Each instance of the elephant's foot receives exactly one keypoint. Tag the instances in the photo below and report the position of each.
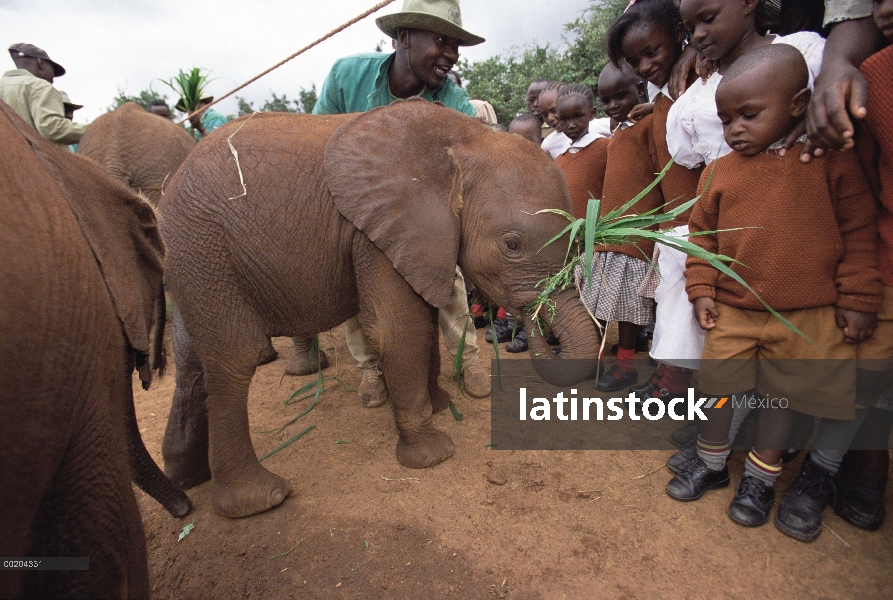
(253, 491)
(304, 364)
(268, 354)
(440, 399)
(428, 450)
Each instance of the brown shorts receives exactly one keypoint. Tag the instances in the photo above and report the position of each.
(751, 349)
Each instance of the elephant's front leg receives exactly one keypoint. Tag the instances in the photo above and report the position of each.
(402, 327)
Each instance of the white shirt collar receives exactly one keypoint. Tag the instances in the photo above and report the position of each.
(654, 91)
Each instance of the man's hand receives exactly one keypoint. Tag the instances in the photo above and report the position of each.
(857, 326)
(706, 312)
(196, 122)
(840, 90)
(640, 111)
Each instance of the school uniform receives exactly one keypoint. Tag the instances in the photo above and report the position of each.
(804, 234)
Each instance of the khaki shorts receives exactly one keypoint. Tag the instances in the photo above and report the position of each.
(751, 349)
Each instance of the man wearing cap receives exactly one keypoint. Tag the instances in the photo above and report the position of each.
(428, 34)
(29, 91)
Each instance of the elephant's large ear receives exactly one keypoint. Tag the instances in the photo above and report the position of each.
(119, 226)
(394, 173)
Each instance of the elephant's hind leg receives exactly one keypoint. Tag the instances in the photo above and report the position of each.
(185, 446)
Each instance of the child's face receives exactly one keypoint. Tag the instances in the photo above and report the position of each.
(651, 52)
(528, 130)
(757, 110)
(574, 114)
(533, 94)
(548, 109)
(716, 26)
(618, 94)
(883, 17)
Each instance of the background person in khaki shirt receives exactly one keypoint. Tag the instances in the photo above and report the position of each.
(29, 91)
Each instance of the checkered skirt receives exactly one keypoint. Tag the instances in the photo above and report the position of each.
(614, 296)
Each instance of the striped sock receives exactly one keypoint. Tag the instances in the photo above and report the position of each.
(714, 454)
(500, 313)
(755, 467)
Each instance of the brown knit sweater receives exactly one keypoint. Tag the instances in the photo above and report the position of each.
(810, 237)
(679, 184)
(585, 174)
(878, 70)
(631, 168)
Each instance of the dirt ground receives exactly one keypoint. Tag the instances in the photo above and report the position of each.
(486, 523)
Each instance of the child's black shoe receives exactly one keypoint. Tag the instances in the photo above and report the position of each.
(752, 503)
(800, 511)
(860, 505)
(519, 343)
(684, 460)
(686, 435)
(691, 485)
(616, 379)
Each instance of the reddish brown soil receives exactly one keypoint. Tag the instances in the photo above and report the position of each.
(509, 524)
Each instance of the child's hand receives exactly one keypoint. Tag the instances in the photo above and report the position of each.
(640, 111)
(857, 326)
(685, 64)
(706, 312)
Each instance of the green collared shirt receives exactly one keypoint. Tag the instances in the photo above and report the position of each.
(360, 83)
(40, 105)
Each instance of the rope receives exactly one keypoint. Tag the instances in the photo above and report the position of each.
(360, 17)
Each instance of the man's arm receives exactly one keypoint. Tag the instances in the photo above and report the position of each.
(48, 115)
(840, 90)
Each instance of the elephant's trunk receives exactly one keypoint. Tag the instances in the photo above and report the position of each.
(580, 342)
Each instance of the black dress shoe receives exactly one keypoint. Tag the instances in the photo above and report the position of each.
(691, 485)
(684, 460)
(860, 505)
(551, 339)
(799, 513)
(752, 503)
(616, 379)
(518, 344)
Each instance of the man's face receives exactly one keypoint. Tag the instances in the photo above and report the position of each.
(533, 94)
(161, 110)
(430, 55)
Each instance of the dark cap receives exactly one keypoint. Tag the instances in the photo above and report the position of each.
(67, 103)
(30, 51)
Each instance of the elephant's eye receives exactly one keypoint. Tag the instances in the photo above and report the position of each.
(512, 244)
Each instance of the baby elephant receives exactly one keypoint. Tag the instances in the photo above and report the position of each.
(321, 218)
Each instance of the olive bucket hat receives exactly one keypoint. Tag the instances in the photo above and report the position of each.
(439, 16)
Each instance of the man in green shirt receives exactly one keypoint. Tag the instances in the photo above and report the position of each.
(428, 34)
(29, 91)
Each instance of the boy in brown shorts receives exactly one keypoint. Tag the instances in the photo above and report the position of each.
(804, 236)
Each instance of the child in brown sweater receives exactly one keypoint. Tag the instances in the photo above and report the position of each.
(618, 272)
(806, 233)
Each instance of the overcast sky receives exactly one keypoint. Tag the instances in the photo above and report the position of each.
(109, 44)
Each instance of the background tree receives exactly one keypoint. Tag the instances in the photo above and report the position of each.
(502, 80)
(143, 98)
(304, 104)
